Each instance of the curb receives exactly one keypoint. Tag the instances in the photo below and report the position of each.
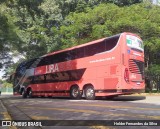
(147, 94)
(6, 116)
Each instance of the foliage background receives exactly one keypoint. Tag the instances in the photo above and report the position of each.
(32, 28)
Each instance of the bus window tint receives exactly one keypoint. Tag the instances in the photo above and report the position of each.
(111, 43)
(73, 54)
(80, 52)
(89, 50)
(95, 49)
(100, 47)
(39, 79)
(103, 46)
(42, 62)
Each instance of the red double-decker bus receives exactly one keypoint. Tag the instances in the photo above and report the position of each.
(105, 67)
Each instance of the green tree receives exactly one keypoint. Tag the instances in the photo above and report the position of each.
(6, 84)
(8, 37)
(35, 24)
(108, 19)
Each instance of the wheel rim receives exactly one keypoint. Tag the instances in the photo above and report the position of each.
(75, 92)
(30, 93)
(23, 93)
(90, 93)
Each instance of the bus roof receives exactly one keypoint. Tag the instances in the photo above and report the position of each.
(86, 44)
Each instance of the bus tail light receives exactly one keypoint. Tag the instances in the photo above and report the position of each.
(126, 75)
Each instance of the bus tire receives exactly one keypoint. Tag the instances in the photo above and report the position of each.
(89, 93)
(24, 94)
(75, 92)
(30, 94)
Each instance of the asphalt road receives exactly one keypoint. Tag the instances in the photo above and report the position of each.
(121, 108)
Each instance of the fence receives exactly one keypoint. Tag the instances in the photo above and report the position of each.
(6, 90)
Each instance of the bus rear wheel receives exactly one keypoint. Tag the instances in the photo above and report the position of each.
(89, 93)
(75, 92)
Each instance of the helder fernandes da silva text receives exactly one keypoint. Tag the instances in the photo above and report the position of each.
(135, 123)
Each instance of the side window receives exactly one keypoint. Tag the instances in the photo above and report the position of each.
(39, 79)
(51, 77)
(80, 52)
(100, 47)
(95, 48)
(71, 55)
(42, 62)
(31, 79)
(45, 61)
(53, 59)
(90, 50)
(60, 57)
(111, 43)
(68, 56)
(48, 78)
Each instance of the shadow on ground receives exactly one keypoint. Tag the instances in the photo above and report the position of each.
(109, 98)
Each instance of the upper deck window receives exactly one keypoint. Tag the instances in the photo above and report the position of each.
(85, 51)
(111, 42)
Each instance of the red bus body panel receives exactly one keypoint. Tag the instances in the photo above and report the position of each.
(104, 71)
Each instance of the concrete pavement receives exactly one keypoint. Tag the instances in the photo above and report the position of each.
(4, 115)
(53, 108)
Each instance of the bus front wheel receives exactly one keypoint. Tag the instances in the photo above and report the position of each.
(75, 92)
(89, 93)
(30, 93)
(24, 94)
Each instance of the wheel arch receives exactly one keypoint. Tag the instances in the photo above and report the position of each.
(88, 84)
(28, 89)
(74, 85)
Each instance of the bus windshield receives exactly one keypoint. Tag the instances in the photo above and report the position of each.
(134, 42)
